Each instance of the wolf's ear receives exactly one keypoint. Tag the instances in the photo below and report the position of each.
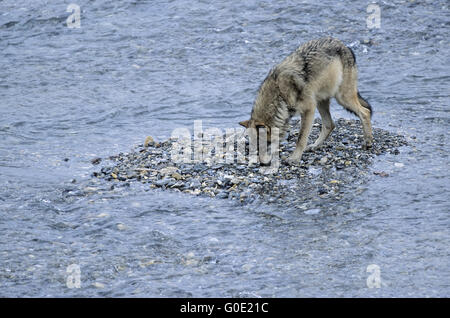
(244, 123)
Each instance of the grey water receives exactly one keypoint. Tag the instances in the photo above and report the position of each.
(138, 68)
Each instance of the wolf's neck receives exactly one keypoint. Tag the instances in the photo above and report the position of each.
(281, 115)
(276, 114)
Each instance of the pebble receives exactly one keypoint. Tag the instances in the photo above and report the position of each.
(98, 285)
(121, 226)
(163, 182)
(177, 176)
(312, 211)
(96, 161)
(149, 141)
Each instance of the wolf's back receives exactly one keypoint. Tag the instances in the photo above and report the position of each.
(324, 49)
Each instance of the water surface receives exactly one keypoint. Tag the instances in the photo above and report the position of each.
(138, 68)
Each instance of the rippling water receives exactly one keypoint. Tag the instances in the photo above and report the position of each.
(138, 68)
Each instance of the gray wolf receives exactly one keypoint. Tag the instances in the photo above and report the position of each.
(308, 78)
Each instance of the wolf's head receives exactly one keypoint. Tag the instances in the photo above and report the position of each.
(259, 126)
(260, 130)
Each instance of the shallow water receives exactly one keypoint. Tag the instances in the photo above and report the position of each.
(138, 68)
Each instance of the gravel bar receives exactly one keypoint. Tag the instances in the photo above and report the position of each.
(324, 174)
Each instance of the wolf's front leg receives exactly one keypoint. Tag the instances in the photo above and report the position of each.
(327, 124)
(307, 118)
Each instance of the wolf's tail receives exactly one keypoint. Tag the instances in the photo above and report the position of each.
(364, 103)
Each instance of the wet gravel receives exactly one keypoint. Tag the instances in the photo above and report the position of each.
(323, 173)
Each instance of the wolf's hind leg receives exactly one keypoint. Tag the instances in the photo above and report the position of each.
(351, 103)
(327, 124)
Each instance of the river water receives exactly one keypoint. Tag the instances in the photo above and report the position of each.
(139, 68)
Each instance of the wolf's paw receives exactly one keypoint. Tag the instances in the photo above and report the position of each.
(311, 148)
(293, 160)
(367, 146)
(265, 159)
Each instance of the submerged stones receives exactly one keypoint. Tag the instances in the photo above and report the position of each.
(322, 173)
